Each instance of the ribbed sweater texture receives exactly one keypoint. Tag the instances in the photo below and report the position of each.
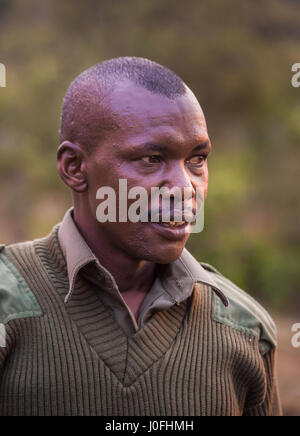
(75, 359)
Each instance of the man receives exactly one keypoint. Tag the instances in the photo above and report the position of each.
(116, 317)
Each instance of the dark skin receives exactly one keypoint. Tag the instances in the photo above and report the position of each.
(156, 142)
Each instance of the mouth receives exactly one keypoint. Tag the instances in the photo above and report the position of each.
(173, 224)
(176, 227)
(172, 231)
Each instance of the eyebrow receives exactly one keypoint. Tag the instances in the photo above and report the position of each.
(157, 147)
(201, 146)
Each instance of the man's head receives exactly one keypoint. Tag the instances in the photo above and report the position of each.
(85, 102)
(130, 118)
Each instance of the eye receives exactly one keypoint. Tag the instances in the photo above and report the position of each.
(151, 159)
(197, 160)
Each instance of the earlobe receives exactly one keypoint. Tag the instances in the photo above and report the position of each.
(71, 166)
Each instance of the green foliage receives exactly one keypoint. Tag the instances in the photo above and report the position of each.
(236, 56)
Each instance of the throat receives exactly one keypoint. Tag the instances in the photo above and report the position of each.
(134, 300)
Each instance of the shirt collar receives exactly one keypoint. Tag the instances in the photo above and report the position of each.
(178, 278)
(186, 271)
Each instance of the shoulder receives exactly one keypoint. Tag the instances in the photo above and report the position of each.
(16, 299)
(244, 313)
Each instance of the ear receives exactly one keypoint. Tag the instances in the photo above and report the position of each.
(71, 166)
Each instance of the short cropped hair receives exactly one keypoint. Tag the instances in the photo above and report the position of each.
(83, 101)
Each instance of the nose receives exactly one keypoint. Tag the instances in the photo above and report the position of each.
(176, 176)
(178, 179)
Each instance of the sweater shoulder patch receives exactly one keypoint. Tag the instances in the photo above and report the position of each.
(16, 299)
(244, 313)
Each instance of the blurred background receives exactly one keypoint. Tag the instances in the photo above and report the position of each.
(237, 58)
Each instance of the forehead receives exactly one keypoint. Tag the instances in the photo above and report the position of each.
(139, 113)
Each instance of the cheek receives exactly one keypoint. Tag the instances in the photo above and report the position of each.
(101, 175)
(205, 188)
(205, 181)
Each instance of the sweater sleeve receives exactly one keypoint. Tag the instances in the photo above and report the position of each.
(271, 405)
(2, 358)
(2, 362)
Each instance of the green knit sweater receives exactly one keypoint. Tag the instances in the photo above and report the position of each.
(196, 358)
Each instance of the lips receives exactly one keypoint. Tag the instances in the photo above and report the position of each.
(173, 224)
(171, 232)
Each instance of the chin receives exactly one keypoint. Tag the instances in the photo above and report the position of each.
(164, 255)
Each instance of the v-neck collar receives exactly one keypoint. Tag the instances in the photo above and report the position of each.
(118, 350)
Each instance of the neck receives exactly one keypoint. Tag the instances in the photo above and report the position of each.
(129, 273)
